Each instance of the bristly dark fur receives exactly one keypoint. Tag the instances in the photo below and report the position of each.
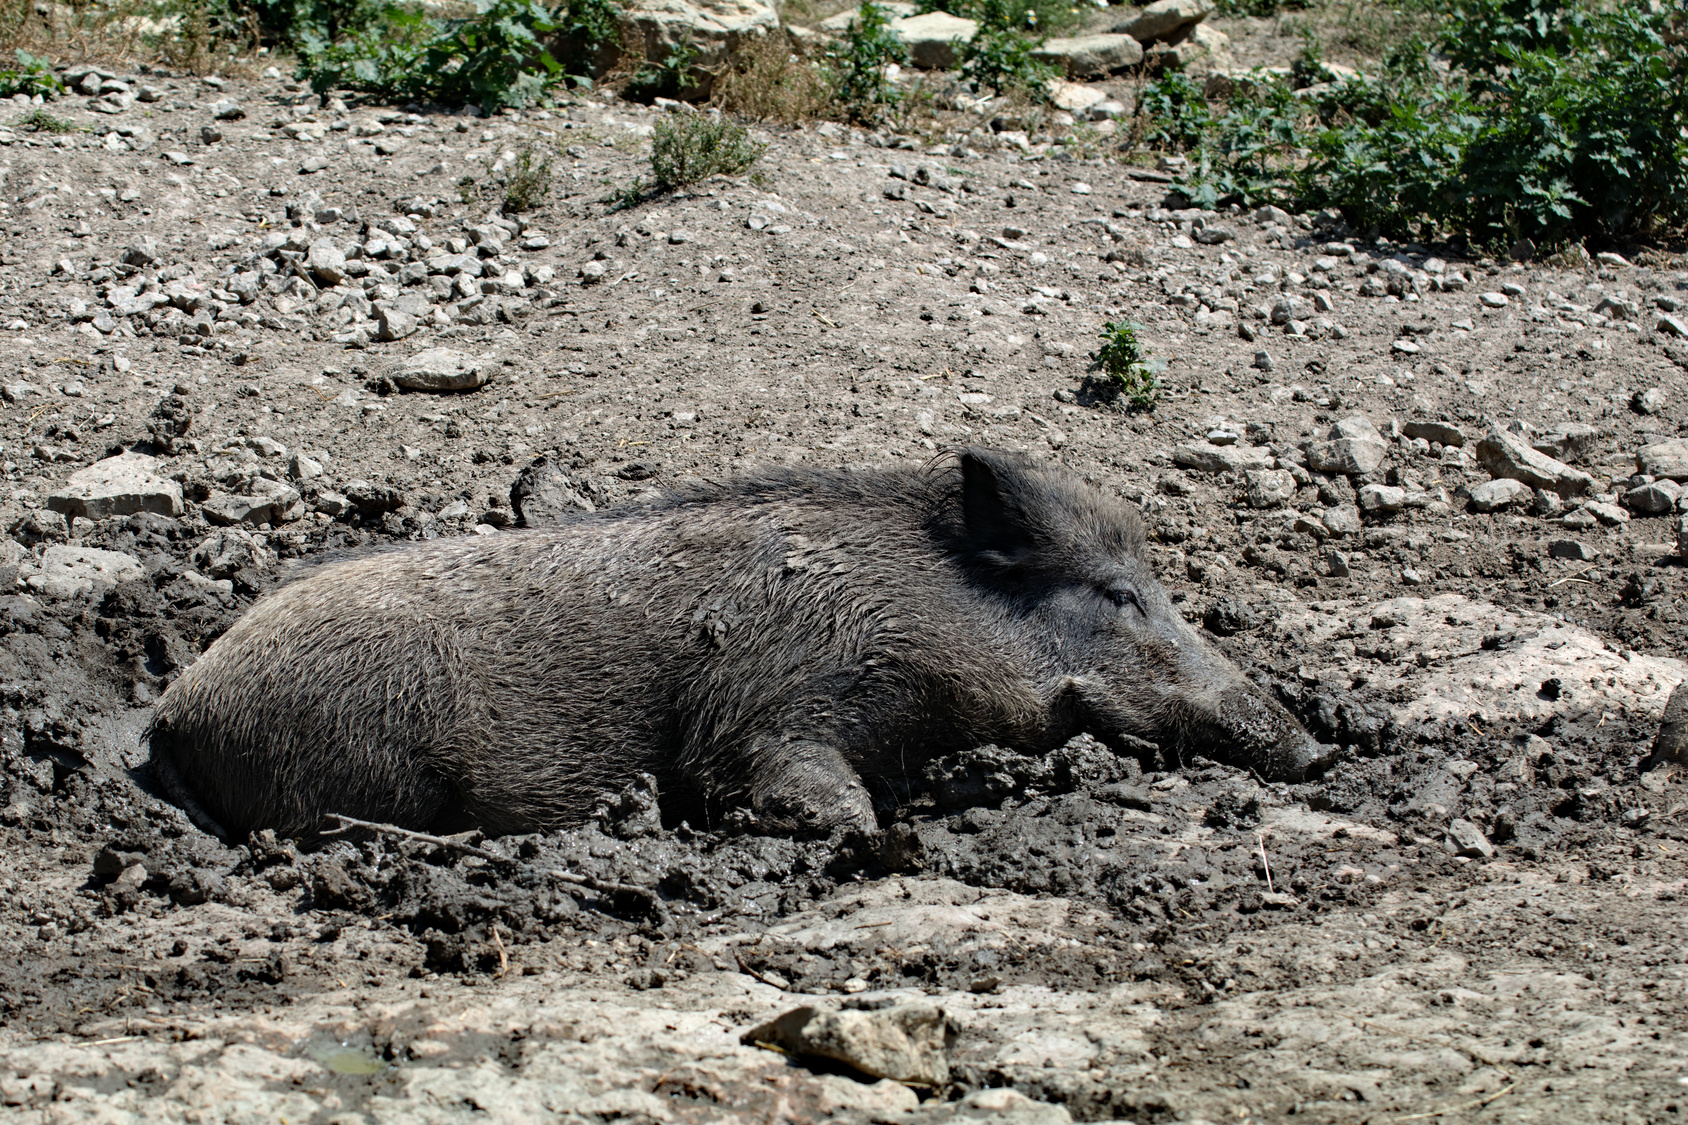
(784, 639)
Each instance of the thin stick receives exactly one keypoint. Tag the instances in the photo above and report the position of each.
(503, 960)
(1478, 1103)
(749, 972)
(1266, 863)
(605, 887)
(349, 822)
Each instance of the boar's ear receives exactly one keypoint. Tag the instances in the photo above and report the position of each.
(997, 506)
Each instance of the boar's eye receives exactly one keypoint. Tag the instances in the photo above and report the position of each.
(1124, 597)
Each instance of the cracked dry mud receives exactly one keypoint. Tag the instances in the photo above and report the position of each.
(1116, 939)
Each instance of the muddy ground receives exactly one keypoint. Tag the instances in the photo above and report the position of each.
(1476, 915)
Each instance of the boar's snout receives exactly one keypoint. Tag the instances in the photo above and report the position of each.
(1254, 731)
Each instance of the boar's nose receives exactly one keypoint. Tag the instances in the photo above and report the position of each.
(1256, 732)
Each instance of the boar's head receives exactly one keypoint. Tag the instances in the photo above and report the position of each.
(1064, 567)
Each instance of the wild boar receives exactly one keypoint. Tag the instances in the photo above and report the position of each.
(795, 641)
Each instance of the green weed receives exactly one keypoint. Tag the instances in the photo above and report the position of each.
(40, 121)
(858, 63)
(1127, 374)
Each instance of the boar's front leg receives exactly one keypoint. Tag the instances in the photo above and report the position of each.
(805, 785)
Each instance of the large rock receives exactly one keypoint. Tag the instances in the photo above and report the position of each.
(67, 572)
(1671, 744)
(931, 38)
(713, 28)
(1656, 499)
(1664, 459)
(907, 1043)
(543, 494)
(1208, 458)
(1162, 18)
(1091, 56)
(441, 370)
(1506, 456)
(118, 486)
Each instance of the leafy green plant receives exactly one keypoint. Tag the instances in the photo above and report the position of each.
(688, 146)
(493, 59)
(32, 76)
(669, 77)
(40, 121)
(1579, 132)
(1001, 60)
(858, 63)
(1172, 113)
(590, 37)
(1127, 373)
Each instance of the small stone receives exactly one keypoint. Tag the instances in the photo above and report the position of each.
(1336, 564)
(394, 324)
(1221, 437)
(1381, 498)
(1495, 495)
(1163, 17)
(1468, 840)
(303, 467)
(1609, 514)
(326, 262)
(1674, 326)
(1342, 519)
(592, 273)
(906, 1042)
(441, 371)
(1269, 488)
(1442, 432)
(227, 110)
(313, 165)
(1572, 549)
(1649, 401)
(1494, 300)
(1263, 362)
(1548, 504)
(1215, 235)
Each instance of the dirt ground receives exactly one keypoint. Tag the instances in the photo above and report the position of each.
(1476, 916)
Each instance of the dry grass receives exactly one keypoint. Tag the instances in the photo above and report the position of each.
(196, 36)
(766, 80)
(108, 32)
